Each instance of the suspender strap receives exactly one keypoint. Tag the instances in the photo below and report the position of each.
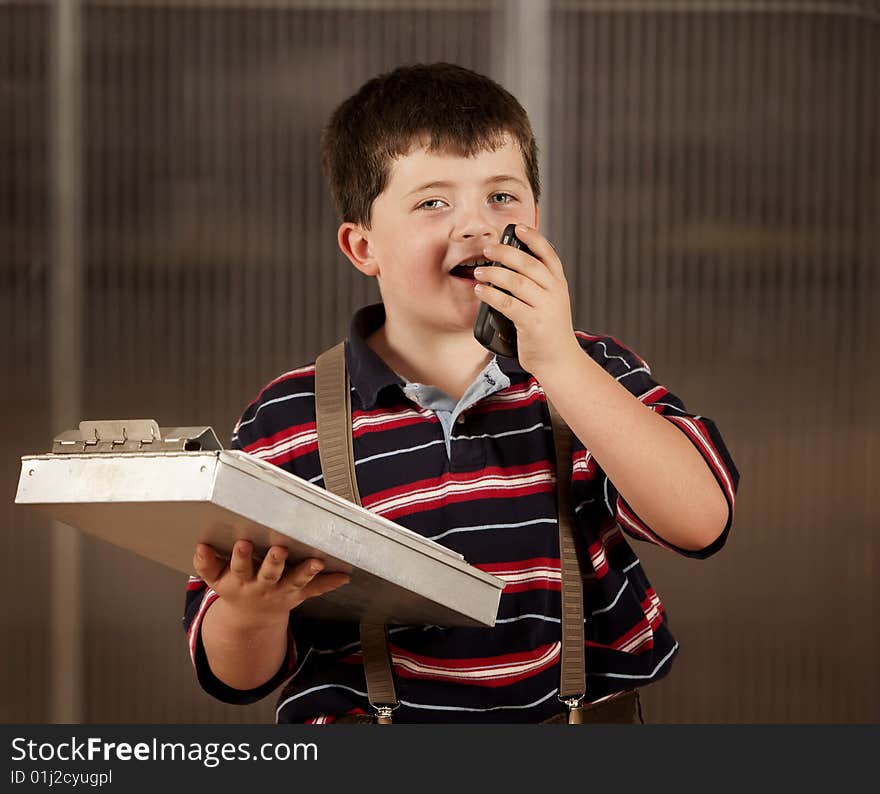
(377, 669)
(333, 421)
(336, 451)
(572, 686)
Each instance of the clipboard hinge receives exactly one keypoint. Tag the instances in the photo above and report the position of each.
(133, 435)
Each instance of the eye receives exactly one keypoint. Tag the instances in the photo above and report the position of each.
(510, 197)
(422, 205)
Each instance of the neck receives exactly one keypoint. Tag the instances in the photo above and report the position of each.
(423, 356)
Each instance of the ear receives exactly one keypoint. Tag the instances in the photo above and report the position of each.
(355, 244)
(537, 216)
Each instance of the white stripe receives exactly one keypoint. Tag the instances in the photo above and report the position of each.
(642, 530)
(385, 418)
(649, 675)
(484, 527)
(286, 444)
(479, 672)
(301, 664)
(535, 575)
(527, 617)
(644, 397)
(357, 643)
(209, 597)
(450, 487)
(636, 641)
(599, 559)
(669, 405)
(506, 433)
(605, 351)
(515, 395)
(493, 708)
(276, 400)
(631, 372)
(315, 689)
(722, 469)
(616, 599)
(395, 452)
(414, 705)
(582, 462)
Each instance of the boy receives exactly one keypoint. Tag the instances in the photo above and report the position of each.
(427, 165)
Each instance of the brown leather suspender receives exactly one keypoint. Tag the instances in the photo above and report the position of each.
(336, 451)
(572, 677)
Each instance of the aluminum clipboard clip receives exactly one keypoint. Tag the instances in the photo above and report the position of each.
(133, 435)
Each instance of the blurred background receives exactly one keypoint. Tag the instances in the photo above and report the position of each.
(711, 181)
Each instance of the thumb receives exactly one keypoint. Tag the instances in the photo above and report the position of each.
(208, 565)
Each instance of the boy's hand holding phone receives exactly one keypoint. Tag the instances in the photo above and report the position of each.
(538, 304)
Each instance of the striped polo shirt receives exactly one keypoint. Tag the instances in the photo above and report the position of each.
(478, 476)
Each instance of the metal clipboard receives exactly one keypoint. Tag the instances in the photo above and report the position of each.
(157, 492)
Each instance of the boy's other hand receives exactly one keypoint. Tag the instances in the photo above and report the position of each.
(262, 594)
(539, 304)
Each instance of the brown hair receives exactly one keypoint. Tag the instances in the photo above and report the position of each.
(442, 106)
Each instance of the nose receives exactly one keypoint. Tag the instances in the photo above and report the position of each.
(473, 224)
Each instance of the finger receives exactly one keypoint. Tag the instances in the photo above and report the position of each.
(242, 563)
(298, 577)
(324, 584)
(509, 306)
(520, 262)
(541, 247)
(272, 566)
(208, 565)
(522, 288)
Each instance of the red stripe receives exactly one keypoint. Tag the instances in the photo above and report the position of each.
(540, 581)
(392, 422)
(657, 393)
(466, 477)
(551, 585)
(623, 509)
(475, 495)
(584, 474)
(456, 669)
(491, 405)
(297, 374)
(721, 473)
(282, 435)
(478, 491)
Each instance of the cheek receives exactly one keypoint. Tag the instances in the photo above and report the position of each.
(424, 263)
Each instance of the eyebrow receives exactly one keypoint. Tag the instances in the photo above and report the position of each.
(490, 181)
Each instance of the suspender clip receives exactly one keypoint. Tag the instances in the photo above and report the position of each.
(575, 710)
(383, 714)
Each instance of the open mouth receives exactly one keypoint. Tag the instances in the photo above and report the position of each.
(465, 272)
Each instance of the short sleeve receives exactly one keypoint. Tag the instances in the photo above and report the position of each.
(634, 373)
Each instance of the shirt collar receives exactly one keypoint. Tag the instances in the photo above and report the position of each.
(369, 373)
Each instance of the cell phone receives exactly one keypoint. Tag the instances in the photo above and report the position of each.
(492, 329)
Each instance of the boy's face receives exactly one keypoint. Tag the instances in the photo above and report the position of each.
(419, 234)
